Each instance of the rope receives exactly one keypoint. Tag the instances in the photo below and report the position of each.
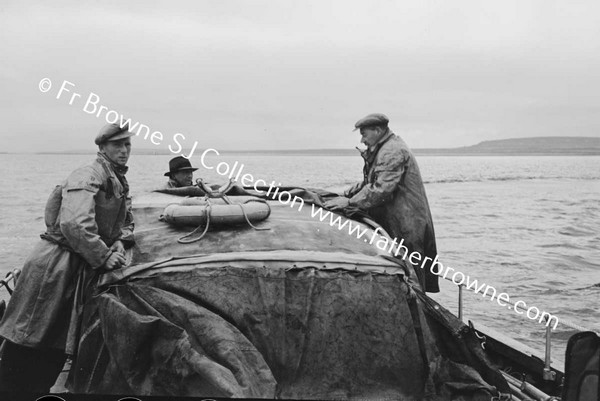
(184, 240)
(187, 240)
(246, 216)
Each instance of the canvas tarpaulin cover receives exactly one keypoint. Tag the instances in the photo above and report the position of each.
(269, 327)
(261, 332)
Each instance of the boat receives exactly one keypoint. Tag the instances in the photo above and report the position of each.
(287, 308)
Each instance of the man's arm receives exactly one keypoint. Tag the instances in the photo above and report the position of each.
(354, 189)
(341, 202)
(388, 172)
(126, 236)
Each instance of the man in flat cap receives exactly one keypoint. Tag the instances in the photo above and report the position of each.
(392, 193)
(180, 173)
(88, 226)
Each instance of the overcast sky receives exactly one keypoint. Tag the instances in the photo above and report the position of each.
(297, 74)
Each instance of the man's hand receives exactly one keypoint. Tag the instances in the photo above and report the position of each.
(337, 203)
(114, 261)
(118, 247)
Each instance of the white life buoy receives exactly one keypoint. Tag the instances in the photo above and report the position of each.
(236, 213)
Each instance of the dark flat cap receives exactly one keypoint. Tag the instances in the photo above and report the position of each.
(112, 132)
(371, 120)
(179, 163)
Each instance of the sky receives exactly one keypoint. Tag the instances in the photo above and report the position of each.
(284, 74)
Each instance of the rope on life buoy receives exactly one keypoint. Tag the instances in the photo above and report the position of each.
(185, 240)
(241, 205)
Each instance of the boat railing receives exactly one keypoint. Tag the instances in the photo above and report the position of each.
(10, 276)
(548, 374)
(5, 282)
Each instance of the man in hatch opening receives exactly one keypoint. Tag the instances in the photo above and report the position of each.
(180, 173)
(392, 193)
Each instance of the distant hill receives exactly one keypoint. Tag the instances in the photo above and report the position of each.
(546, 145)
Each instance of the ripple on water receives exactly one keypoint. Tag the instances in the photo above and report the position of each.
(561, 245)
(555, 285)
(575, 232)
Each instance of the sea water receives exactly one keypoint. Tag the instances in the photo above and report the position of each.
(529, 226)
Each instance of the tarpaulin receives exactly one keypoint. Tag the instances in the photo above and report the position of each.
(291, 333)
(263, 318)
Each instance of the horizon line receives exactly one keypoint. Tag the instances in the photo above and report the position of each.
(467, 149)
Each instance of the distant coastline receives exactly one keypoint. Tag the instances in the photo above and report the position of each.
(539, 146)
(562, 145)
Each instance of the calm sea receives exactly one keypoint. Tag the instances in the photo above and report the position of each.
(527, 225)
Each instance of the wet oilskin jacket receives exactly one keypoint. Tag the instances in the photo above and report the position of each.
(392, 193)
(84, 217)
(95, 212)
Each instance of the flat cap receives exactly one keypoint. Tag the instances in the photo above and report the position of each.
(113, 132)
(372, 120)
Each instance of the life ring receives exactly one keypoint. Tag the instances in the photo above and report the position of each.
(253, 210)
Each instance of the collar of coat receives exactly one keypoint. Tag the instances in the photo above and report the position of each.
(119, 170)
(172, 183)
(119, 174)
(371, 152)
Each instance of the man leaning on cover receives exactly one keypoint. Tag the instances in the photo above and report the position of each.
(393, 194)
(89, 225)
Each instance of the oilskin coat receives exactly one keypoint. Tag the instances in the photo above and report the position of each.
(392, 193)
(84, 217)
